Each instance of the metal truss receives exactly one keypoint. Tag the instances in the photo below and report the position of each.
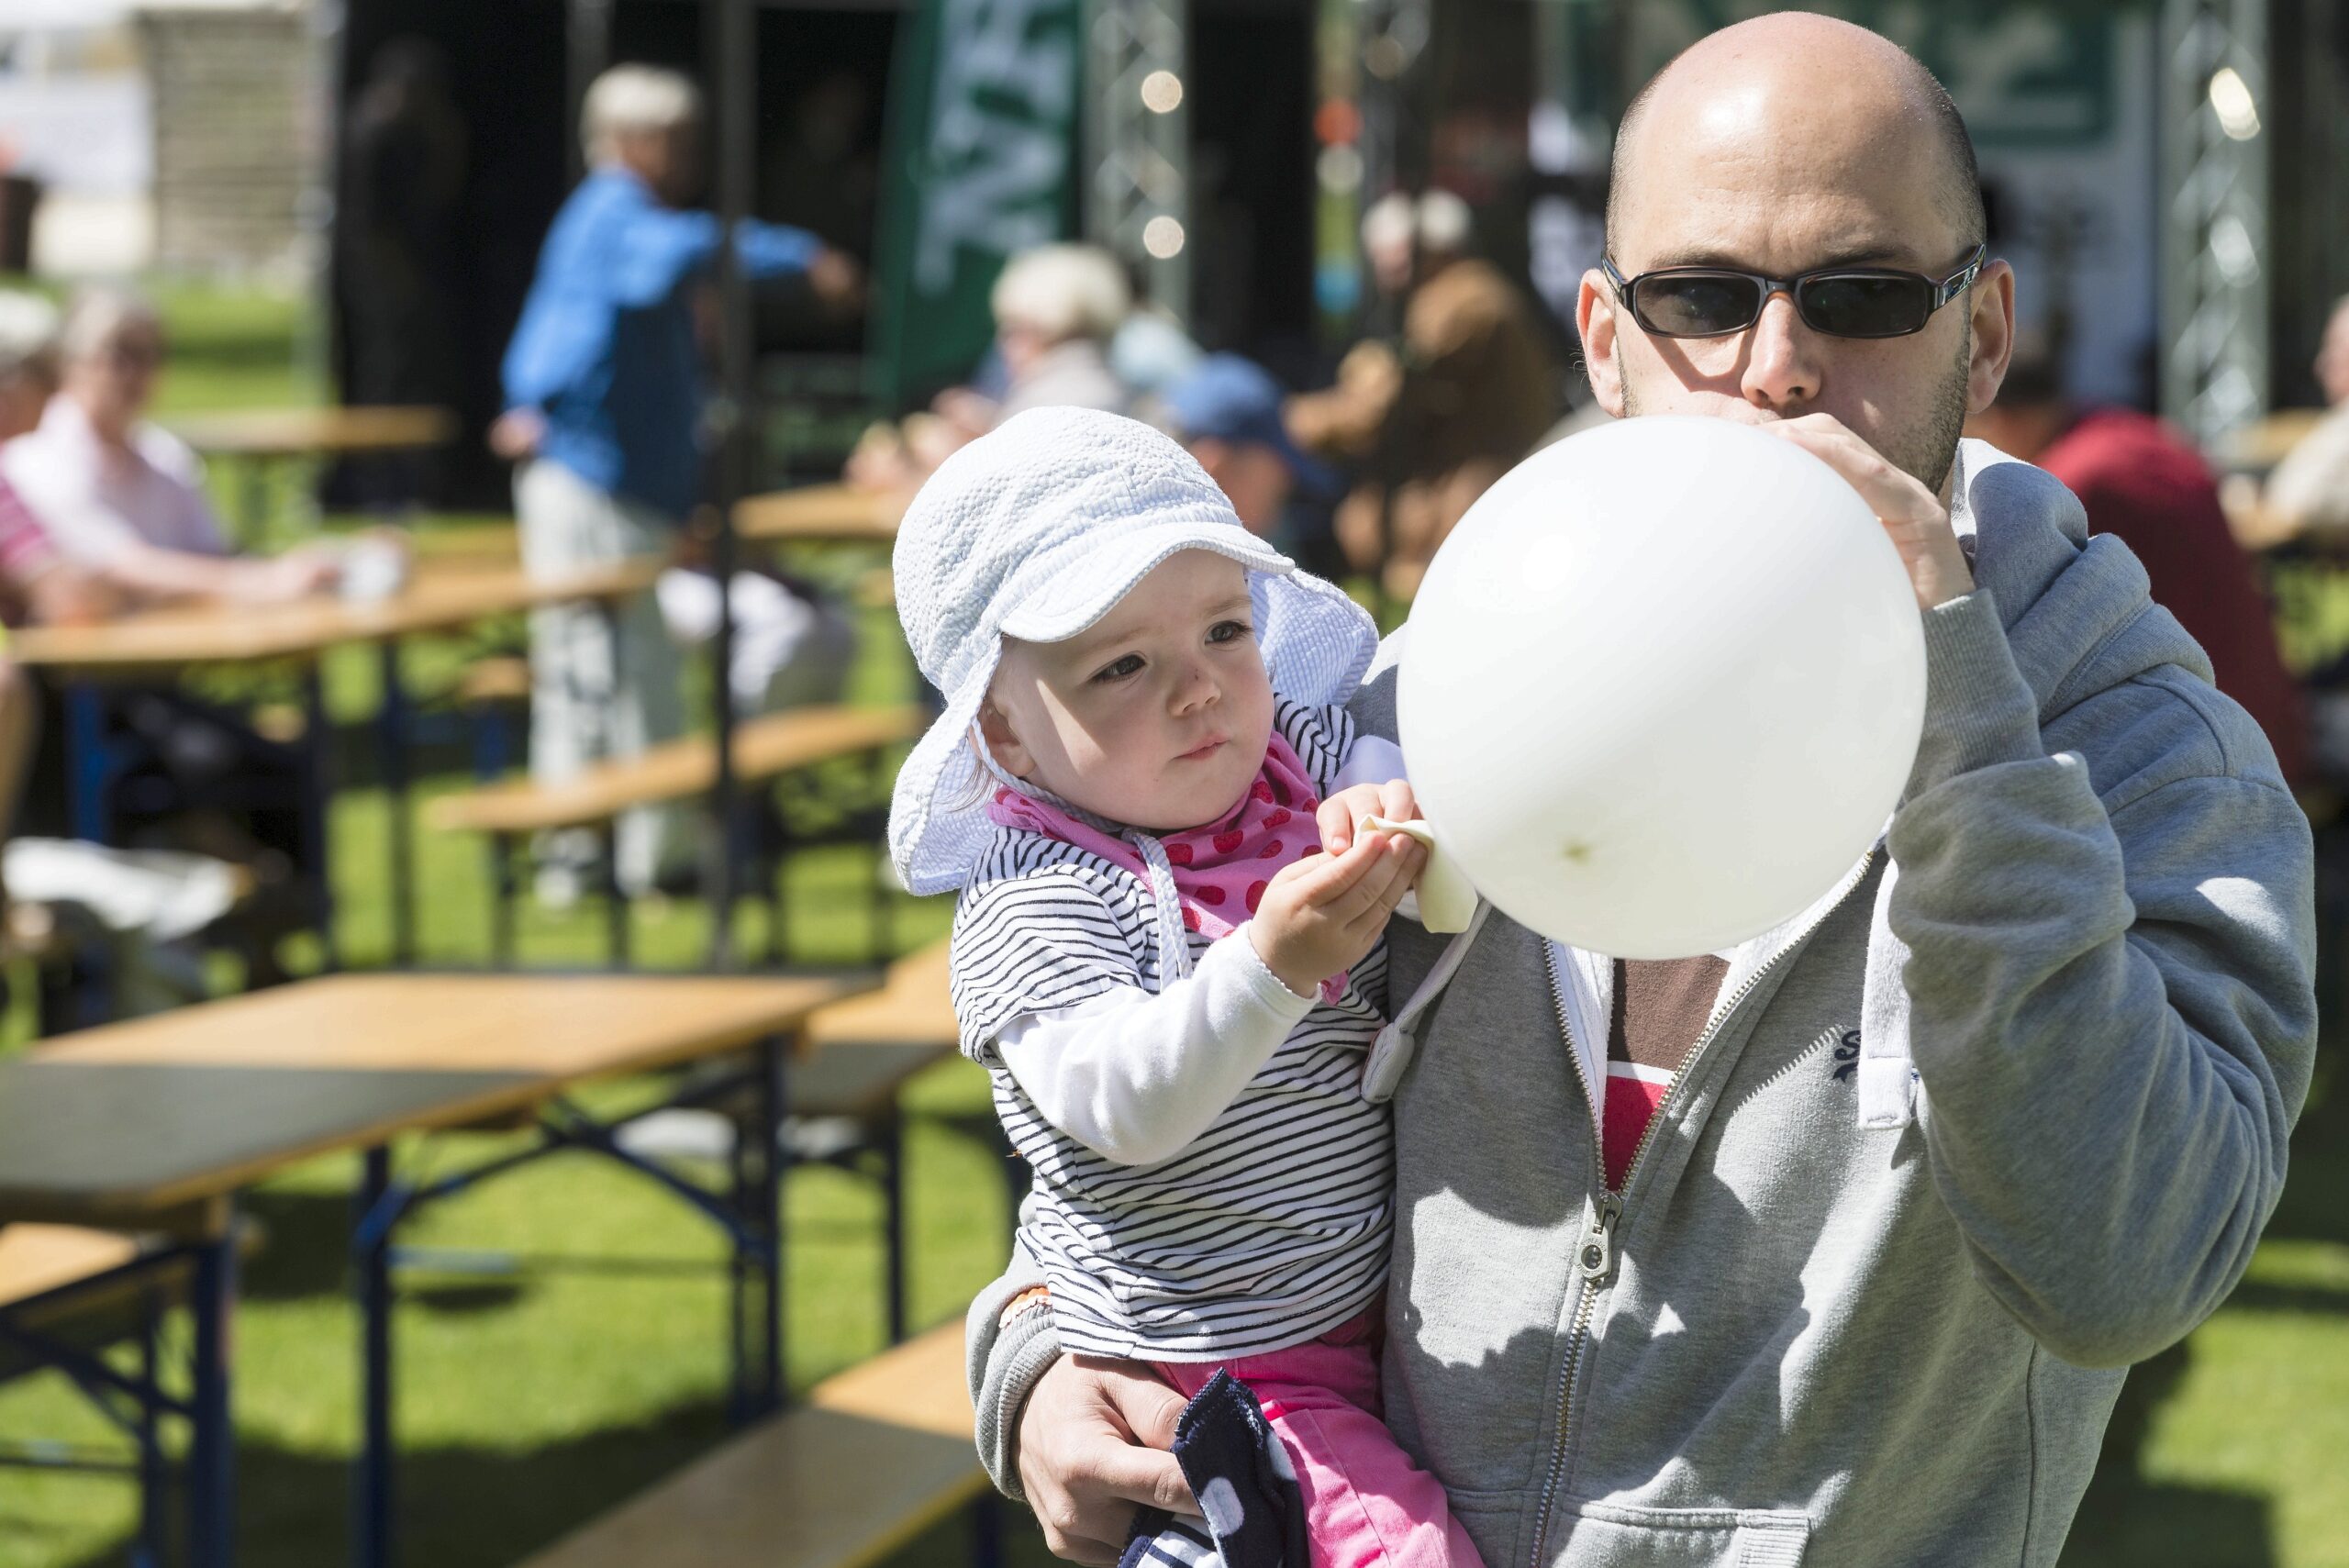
(2216, 258)
(1137, 140)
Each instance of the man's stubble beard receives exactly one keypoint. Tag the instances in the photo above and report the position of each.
(1924, 451)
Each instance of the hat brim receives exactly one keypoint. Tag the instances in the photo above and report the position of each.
(1065, 605)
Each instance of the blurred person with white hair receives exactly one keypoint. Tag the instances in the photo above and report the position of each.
(605, 398)
(121, 498)
(1056, 307)
(1428, 426)
(1058, 310)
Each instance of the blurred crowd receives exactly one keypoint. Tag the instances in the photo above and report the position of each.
(1453, 383)
(1456, 374)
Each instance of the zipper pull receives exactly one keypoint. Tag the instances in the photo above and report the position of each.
(1596, 1254)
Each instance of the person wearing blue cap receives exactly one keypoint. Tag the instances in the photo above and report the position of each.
(1226, 411)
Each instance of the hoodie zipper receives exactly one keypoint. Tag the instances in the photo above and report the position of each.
(1594, 1253)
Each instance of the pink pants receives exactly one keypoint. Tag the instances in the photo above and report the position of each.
(1367, 1505)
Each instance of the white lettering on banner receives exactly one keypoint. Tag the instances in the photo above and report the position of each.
(993, 172)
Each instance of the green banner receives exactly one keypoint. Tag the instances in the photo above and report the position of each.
(2024, 73)
(981, 165)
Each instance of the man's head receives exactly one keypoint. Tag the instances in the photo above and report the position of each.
(1407, 242)
(113, 345)
(1227, 412)
(1055, 295)
(2332, 354)
(1781, 146)
(29, 329)
(648, 121)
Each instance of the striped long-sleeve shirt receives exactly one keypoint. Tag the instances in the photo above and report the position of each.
(1270, 1227)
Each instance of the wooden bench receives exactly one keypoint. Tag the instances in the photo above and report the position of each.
(862, 1048)
(875, 1457)
(69, 1292)
(765, 749)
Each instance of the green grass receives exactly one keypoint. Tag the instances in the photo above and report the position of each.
(530, 1400)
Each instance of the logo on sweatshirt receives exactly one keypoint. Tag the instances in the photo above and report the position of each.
(1847, 1056)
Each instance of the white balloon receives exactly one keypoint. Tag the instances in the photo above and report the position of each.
(1663, 686)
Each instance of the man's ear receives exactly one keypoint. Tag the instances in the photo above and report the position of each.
(994, 726)
(1595, 321)
(1993, 300)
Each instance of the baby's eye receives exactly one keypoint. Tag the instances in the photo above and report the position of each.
(1129, 665)
(1228, 631)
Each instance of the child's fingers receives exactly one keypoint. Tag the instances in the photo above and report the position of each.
(1335, 818)
(1372, 896)
(1318, 880)
(1396, 801)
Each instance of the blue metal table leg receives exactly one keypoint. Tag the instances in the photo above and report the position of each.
(390, 731)
(86, 762)
(893, 1194)
(757, 1264)
(616, 909)
(371, 1513)
(986, 1532)
(154, 1489)
(212, 1451)
(501, 874)
(317, 743)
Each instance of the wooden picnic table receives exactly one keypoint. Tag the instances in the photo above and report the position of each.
(266, 433)
(440, 595)
(159, 1122)
(829, 514)
(2258, 447)
(256, 439)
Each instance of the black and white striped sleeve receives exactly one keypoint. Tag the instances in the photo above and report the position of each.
(1320, 737)
(1030, 940)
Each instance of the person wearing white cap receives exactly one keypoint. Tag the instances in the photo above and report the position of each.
(1173, 987)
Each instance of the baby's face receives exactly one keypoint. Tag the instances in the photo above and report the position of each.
(1157, 716)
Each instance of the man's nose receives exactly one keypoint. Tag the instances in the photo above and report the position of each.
(1782, 366)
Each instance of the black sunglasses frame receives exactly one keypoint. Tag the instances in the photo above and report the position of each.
(1939, 290)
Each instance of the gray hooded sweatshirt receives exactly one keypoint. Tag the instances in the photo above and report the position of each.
(1800, 1335)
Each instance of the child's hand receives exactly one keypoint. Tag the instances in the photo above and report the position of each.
(1322, 914)
(1338, 815)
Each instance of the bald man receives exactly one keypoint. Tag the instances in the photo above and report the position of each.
(1830, 1248)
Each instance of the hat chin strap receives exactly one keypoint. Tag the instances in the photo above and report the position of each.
(1174, 947)
(1001, 775)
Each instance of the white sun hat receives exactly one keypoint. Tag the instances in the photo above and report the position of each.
(1036, 531)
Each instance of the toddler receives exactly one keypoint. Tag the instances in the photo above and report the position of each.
(1173, 987)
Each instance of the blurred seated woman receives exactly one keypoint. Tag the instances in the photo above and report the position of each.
(120, 497)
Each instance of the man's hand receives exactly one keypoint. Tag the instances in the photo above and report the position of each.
(1913, 517)
(1322, 914)
(1093, 1442)
(1336, 819)
(516, 433)
(836, 279)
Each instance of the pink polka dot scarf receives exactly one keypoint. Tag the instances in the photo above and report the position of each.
(1222, 868)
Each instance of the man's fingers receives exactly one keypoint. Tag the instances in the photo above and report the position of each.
(1148, 1476)
(1150, 1409)
(1891, 493)
(1081, 1549)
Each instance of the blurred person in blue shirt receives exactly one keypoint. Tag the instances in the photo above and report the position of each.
(1226, 411)
(604, 395)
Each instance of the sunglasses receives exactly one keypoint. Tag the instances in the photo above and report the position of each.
(1842, 302)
